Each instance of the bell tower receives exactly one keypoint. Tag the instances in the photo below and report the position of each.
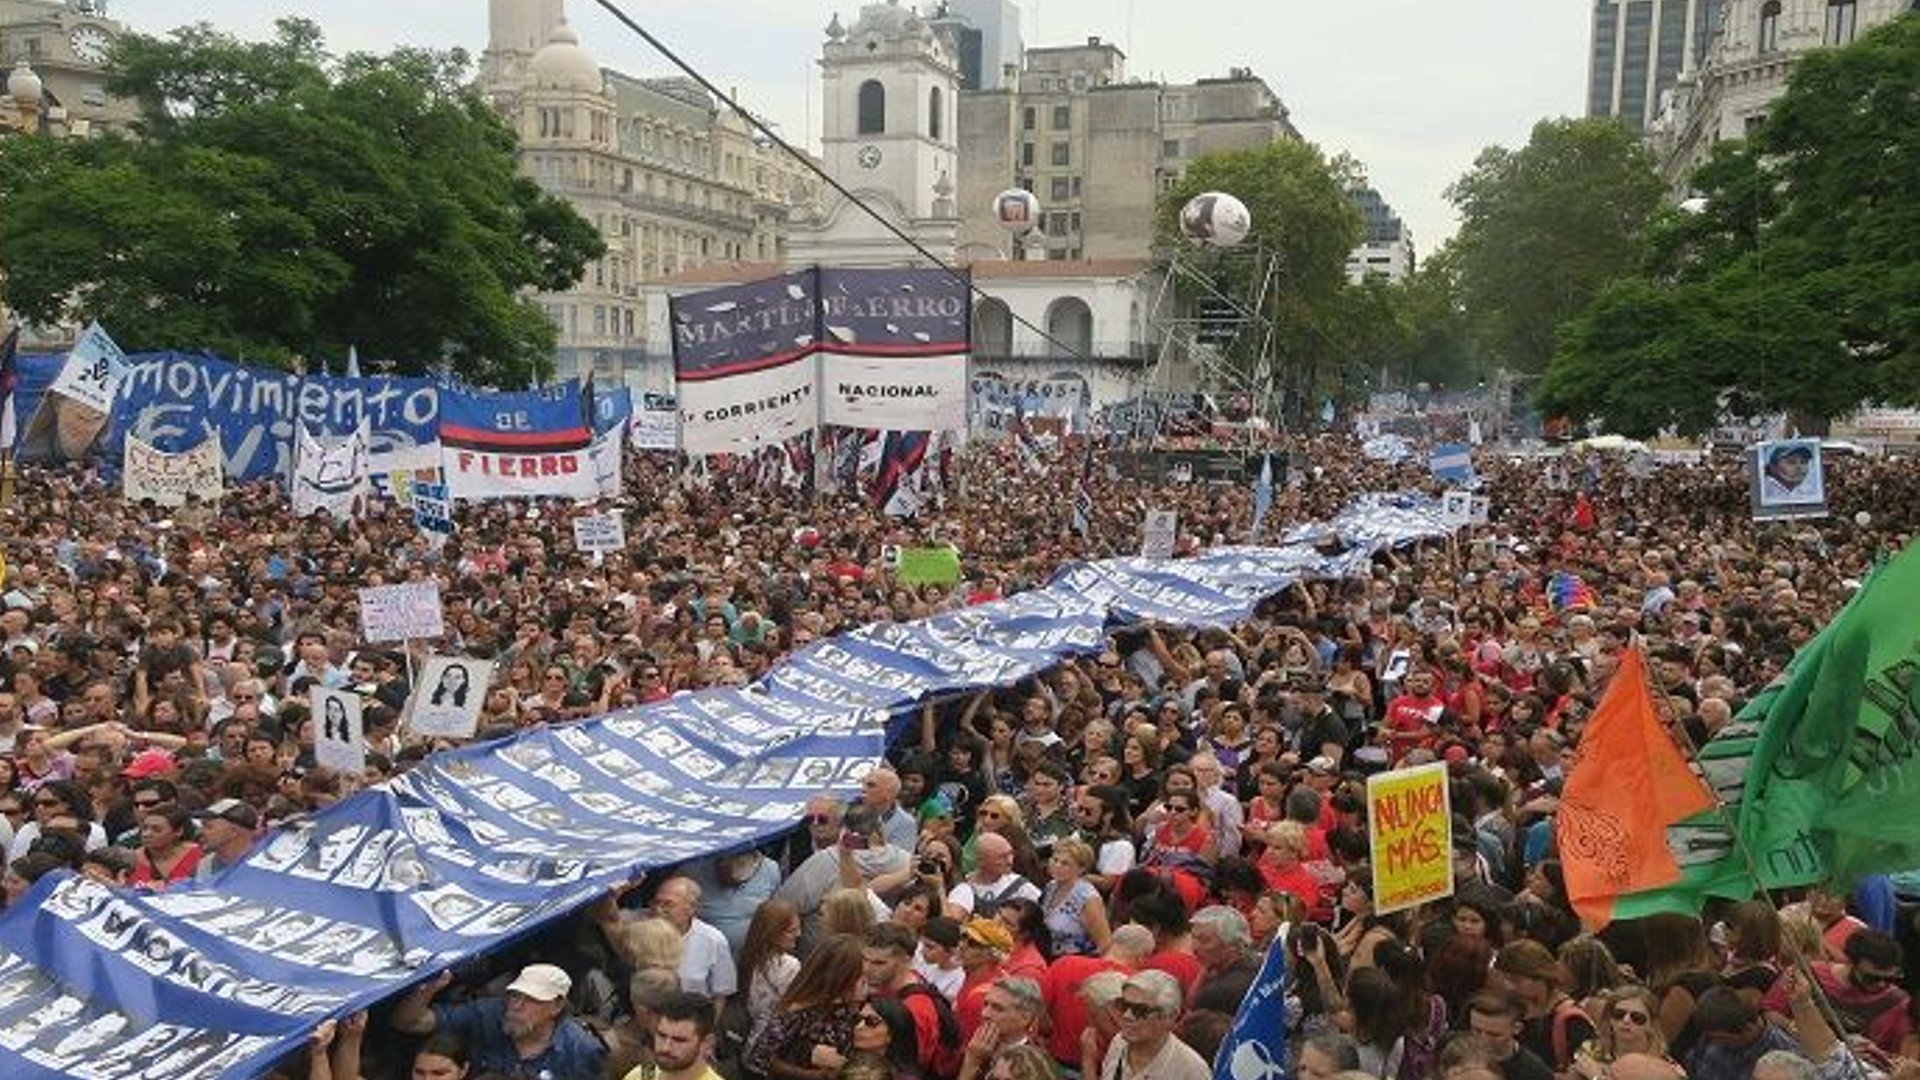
(516, 29)
(890, 106)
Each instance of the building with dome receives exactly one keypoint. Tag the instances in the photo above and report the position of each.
(670, 177)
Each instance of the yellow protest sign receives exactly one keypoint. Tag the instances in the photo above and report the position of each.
(1410, 824)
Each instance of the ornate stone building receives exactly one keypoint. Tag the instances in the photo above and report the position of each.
(1752, 53)
(64, 44)
(670, 177)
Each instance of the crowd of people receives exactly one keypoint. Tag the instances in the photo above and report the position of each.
(1078, 875)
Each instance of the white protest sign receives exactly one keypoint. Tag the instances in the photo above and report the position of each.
(168, 479)
(598, 534)
(338, 740)
(91, 374)
(656, 422)
(1162, 529)
(1459, 509)
(401, 612)
(446, 703)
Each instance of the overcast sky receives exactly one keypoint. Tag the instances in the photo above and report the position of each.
(1413, 88)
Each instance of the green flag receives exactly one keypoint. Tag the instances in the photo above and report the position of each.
(1819, 770)
(928, 566)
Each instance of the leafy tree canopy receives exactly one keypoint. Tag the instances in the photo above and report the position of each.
(1544, 228)
(281, 202)
(1791, 283)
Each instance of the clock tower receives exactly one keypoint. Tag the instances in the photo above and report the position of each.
(890, 94)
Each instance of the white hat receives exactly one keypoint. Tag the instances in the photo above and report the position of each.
(1323, 765)
(541, 982)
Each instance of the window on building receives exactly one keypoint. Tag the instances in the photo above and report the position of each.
(1770, 26)
(1170, 148)
(873, 108)
(1843, 21)
(1061, 153)
(599, 320)
(933, 113)
(1075, 187)
(1056, 224)
(1028, 118)
(1059, 188)
(1073, 221)
(1079, 82)
(1026, 155)
(1062, 117)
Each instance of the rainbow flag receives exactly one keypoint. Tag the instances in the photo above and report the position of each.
(1567, 592)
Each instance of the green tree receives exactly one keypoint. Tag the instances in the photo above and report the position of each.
(1544, 227)
(1304, 226)
(281, 202)
(1792, 282)
(1438, 347)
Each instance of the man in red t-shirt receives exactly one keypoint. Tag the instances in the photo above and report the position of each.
(887, 960)
(1066, 976)
(1165, 916)
(1865, 991)
(1413, 718)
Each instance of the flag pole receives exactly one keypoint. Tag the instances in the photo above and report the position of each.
(1800, 961)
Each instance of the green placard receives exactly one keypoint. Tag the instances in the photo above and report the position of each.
(929, 566)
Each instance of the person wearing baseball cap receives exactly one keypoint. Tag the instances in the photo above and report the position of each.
(227, 830)
(984, 944)
(525, 1033)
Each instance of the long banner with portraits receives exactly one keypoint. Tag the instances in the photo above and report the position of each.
(486, 843)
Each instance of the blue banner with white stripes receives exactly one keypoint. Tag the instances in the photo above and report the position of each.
(485, 844)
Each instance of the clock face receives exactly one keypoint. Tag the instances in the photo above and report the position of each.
(868, 157)
(90, 43)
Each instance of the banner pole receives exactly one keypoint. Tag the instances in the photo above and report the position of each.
(1800, 961)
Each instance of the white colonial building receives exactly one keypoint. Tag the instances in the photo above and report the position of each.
(1751, 54)
(890, 106)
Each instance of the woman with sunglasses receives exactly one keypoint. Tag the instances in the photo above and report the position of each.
(884, 1034)
(1627, 1026)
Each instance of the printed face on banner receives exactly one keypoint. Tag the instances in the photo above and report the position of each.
(1410, 824)
(447, 702)
(339, 742)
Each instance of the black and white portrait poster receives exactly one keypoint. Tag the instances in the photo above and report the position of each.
(446, 703)
(337, 740)
(1789, 479)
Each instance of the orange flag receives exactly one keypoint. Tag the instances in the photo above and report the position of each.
(1629, 782)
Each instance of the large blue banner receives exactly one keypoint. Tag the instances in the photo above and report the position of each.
(173, 401)
(33, 375)
(482, 845)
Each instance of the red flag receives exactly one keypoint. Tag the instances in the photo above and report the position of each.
(1629, 782)
(1584, 518)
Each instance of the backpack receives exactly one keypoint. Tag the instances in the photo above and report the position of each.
(984, 906)
(1420, 1051)
(1563, 1015)
(949, 1050)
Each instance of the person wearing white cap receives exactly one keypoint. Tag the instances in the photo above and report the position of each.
(525, 1033)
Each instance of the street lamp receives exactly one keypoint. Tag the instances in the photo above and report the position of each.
(24, 92)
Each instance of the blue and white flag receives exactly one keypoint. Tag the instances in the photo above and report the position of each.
(1083, 496)
(1256, 1045)
(1452, 462)
(1262, 495)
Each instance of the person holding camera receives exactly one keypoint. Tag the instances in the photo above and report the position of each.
(862, 859)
